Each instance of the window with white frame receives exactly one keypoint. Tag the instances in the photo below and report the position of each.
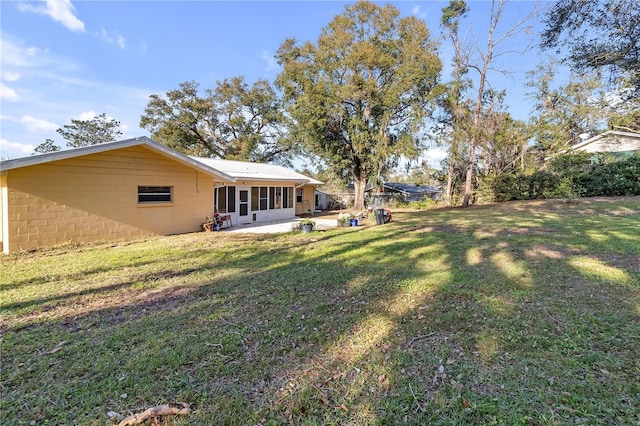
(287, 197)
(263, 198)
(225, 199)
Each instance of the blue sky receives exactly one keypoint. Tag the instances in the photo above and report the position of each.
(63, 60)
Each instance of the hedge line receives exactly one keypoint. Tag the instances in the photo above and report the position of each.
(571, 175)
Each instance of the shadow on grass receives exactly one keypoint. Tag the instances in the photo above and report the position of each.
(430, 319)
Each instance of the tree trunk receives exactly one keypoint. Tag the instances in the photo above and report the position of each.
(360, 184)
(450, 176)
(468, 184)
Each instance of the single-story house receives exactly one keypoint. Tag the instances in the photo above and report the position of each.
(610, 141)
(406, 191)
(132, 188)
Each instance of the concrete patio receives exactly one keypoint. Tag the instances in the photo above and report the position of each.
(280, 226)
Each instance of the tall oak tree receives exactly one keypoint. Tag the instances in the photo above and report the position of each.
(234, 121)
(359, 95)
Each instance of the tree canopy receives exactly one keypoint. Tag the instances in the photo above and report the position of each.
(234, 121)
(598, 33)
(99, 129)
(359, 95)
(48, 145)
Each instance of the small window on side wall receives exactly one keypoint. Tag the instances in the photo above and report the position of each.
(155, 194)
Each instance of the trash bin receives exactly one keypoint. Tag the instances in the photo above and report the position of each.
(379, 216)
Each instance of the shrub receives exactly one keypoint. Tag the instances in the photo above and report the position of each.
(612, 179)
(426, 204)
(570, 176)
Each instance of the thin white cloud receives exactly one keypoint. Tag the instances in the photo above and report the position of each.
(86, 116)
(113, 38)
(18, 59)
(418, 12)
(90, 115)
(36, 125)
(10, 76)
(272, 64)
(8, 94)
(61, 11)
(13, 149)
(55, 89)
(16, 55)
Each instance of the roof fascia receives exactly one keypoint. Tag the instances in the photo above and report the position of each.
(111, 146)
(67, 154)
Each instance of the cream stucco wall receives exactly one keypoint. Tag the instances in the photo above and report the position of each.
(308, 200)
(95, 198)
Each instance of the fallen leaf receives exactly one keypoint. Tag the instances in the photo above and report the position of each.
(336, 376)
(323, 397)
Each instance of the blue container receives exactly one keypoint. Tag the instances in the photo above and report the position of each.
(354, 222)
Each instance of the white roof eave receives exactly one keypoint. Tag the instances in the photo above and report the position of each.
(111, 146)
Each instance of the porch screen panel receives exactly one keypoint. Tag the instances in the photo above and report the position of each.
(272, 197)
(263, 198)
(231, 199)
(222, 200)
(278, 197)
(255, 198)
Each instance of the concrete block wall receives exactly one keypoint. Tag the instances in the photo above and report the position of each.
(95, 198)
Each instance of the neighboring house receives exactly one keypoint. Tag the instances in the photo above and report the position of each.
(129, 188)
(610, 141)
(324, 200)
(407, 191)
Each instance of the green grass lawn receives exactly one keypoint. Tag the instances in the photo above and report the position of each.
(516, 313)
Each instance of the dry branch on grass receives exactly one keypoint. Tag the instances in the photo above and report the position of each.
(158, 410)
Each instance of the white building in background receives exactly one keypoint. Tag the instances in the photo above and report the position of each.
(610, 141)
